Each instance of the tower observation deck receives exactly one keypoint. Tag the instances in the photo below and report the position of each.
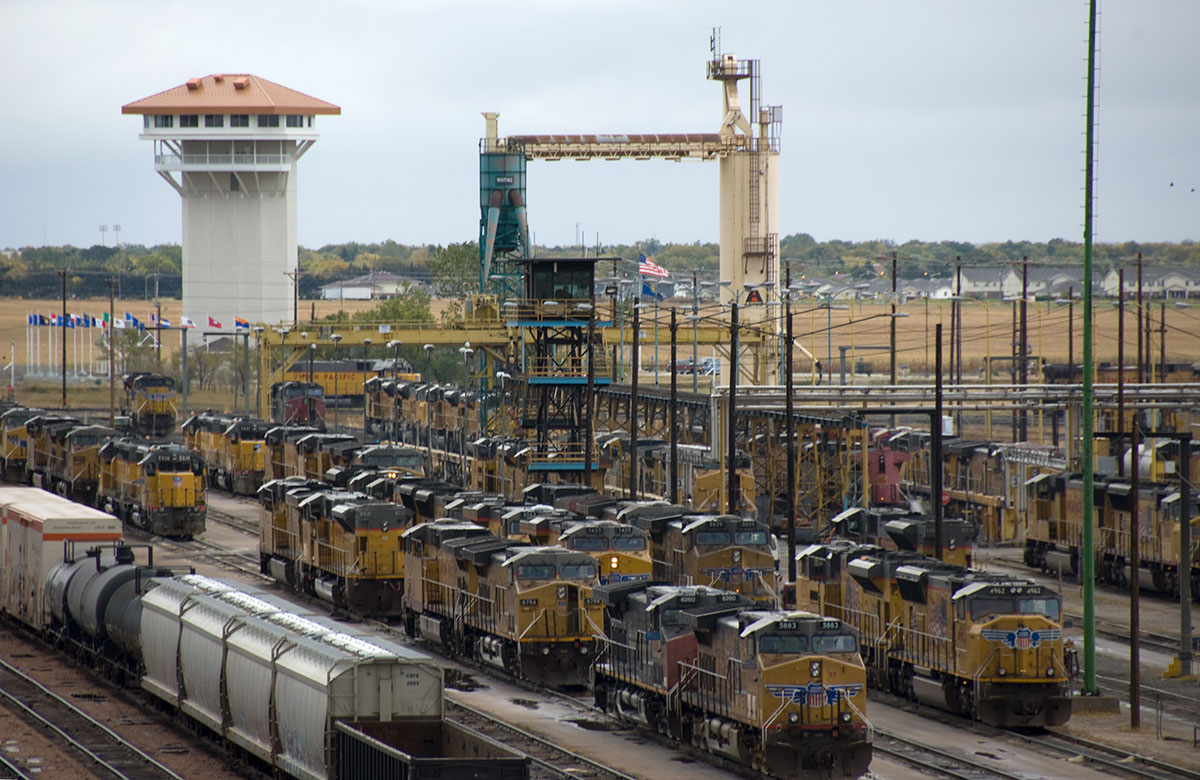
(229, 145)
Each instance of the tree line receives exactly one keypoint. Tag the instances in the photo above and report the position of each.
(453, 270)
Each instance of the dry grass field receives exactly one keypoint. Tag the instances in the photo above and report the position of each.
(987, 330)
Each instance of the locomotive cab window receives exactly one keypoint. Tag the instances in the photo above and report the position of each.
(783, 643)
(532, 572)
(834, 643)
(1039, 606)
(579, 571)
(712, 537)
(588, 543)
(750, 537)
(984, 606)
(629, 543)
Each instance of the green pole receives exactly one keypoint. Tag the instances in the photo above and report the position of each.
(1087, 551)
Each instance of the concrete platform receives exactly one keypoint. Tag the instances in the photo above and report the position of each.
(1095, 705)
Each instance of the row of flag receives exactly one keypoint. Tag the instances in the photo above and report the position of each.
(130, 321)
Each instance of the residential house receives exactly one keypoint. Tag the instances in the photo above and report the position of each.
(376, 284)
(1157, 282)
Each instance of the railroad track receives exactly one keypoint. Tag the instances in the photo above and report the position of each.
(106, 752)
(232, 521)
(935, 760)
(12, 771)
(549, 760)
(1109, 758)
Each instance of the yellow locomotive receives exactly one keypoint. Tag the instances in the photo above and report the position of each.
(40, 445)
(622, 552)
(893, 528)
(158, 487)
(527, 610)
(14, 446)
(723, 551)
(233, 448)
(149, 402)
(987, 646)
(278, 440)
(1053, 529)
(73, 466)
(342, 546)
(780, 692)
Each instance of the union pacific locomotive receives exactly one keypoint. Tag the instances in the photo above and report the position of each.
(157, 487)
(527, 610)
(149, 402)
(781, 692)
(988, 646)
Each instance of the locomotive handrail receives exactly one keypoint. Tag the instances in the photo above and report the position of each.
(521, 636)
(975, 678)
(863, 716)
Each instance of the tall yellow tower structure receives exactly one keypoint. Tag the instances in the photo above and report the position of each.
(746, 146)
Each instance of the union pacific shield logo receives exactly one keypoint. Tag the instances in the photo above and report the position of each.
(1021, 639)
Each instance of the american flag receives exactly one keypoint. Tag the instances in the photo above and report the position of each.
(651, 268)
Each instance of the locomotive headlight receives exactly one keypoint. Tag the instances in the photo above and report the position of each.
(793, 717)
(845, 717)
(613, 562)
(737, 556)
(814, 669)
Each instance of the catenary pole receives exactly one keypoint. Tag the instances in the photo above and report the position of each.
(1087, 553)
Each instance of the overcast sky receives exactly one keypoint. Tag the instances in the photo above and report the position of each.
(927, 119)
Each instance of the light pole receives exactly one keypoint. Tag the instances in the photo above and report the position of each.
(366, 343)
(336, 337)
(258, 330)
(503, 376)
(466, 352)
(310, 411)
(394, 346)
(429, 405)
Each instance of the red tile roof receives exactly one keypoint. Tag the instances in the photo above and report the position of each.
(233, 93)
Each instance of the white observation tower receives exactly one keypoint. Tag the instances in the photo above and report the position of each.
(234, 141)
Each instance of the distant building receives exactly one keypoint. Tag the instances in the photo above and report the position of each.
(1045, 281)
(1156, 283)
(375, 285)
(982, 282)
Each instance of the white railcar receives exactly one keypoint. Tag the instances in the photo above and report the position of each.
(35, 528)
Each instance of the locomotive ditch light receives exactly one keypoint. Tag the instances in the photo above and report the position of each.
(793, 717)
(845, 717)
(1001, 671)
(545, 651)
(1049, 671)
(814, 669)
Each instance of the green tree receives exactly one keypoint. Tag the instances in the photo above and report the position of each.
(455, 269)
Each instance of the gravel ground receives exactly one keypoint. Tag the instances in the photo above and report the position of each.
(126, 712)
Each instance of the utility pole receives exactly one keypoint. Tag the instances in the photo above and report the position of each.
(731, 500)
(295, 277)
(790, 430)
(1135, 550)
(633, 403)
(112, 352)
(892, 324)
(1087, 543)
(674, 413)
(935, 446)
(63, 328)
(1024, 358)
(589, 434)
